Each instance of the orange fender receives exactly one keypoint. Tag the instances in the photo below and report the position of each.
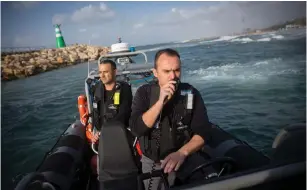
(83, 111)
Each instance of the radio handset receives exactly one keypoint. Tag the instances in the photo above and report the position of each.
(176, 88)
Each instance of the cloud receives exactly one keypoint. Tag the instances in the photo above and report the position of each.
(87, 15)
(138, 25)
(25, 4)
(177, 16)
(92, 13)
(82, 30)
(226, 17)
(59, 18)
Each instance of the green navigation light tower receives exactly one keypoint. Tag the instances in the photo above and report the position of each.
(59, 38)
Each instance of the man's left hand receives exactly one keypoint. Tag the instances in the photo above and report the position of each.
(172, 162)
(95, 137)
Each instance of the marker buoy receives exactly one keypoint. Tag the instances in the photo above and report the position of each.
(59, 38)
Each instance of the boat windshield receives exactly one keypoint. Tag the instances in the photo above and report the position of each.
(137, 80)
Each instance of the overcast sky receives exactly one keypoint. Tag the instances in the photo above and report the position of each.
(138, 23)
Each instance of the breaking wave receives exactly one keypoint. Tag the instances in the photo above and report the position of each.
(259, 70)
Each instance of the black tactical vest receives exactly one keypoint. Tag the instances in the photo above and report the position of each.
(105, 109)
(174, 130)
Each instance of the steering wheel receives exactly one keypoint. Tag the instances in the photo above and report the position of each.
(220, 160)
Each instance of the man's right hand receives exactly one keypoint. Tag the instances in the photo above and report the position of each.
(151, 115)
(167, 91)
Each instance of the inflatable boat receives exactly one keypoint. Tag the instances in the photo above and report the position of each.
(234, 164)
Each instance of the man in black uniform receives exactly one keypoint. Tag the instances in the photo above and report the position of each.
(169, 118)
(113, 98)
(112, 102)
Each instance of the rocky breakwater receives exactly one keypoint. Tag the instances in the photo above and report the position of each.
(25, 64)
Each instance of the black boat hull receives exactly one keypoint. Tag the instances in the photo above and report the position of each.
(67, 165)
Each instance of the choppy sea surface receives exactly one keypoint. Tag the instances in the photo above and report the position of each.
(252, 86)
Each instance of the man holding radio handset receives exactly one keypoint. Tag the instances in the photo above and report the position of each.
(169, 118)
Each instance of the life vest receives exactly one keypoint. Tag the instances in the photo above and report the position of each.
(175, 126)
(100, 114)
(104, 110)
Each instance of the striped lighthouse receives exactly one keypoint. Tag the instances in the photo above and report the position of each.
(59, 38)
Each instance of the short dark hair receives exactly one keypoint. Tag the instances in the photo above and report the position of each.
(108, 61)
(168, 51)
